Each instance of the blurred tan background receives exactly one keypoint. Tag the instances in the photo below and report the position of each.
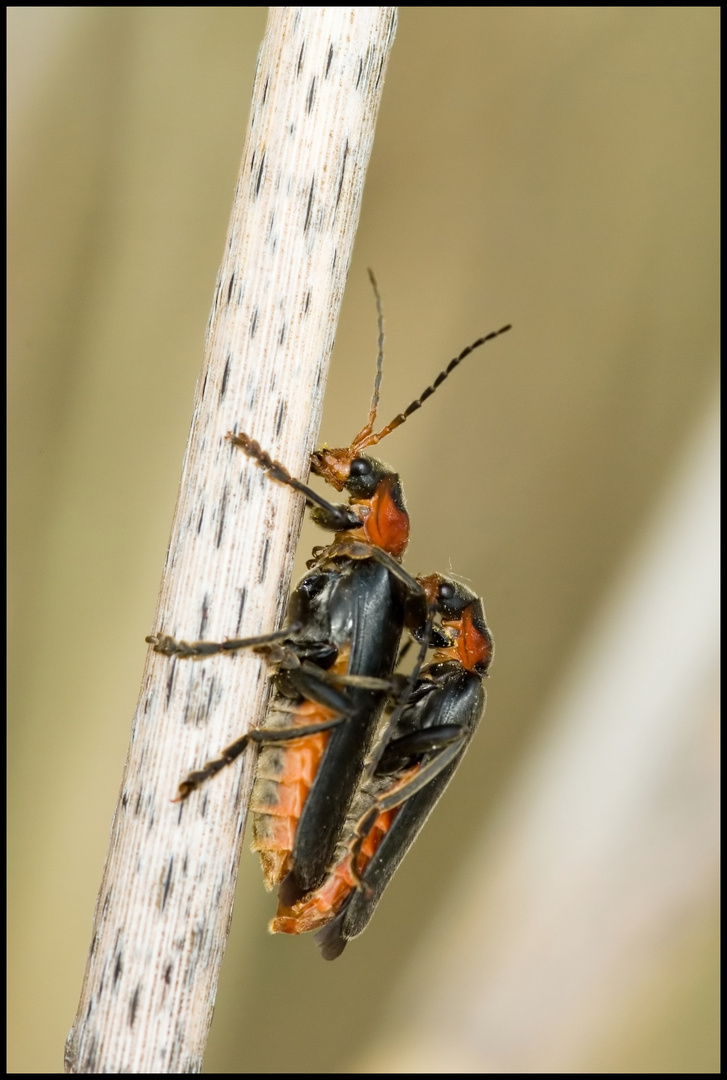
(554, 168)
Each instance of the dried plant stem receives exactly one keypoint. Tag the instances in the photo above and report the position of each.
(165, 902)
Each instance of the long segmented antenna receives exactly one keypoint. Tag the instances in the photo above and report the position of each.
(367, 438)
(334, 465)
(369, 425)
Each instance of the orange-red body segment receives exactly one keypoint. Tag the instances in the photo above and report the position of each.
(472, 647)
(317, 909)
(386, 522)
(284, 776)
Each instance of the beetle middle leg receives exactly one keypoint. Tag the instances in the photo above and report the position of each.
(199, 650)
(313, 684)
(257, 735)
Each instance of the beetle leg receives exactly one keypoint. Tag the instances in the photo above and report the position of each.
(197, 650)
(366, 682)
(315, 685)
(424, 775)
(257, 735)
(425, 741)
(404, 789)
(337, 517)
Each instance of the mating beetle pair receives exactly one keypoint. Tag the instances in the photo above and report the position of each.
(422, 746)
(341, 790)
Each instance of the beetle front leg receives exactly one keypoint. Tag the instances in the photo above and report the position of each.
(336, 517)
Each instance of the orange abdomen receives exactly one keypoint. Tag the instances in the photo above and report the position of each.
(283, 779)
(317, 909)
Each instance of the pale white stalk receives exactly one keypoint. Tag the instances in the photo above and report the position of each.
(165, 901)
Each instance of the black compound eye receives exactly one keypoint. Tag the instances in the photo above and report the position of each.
(360, 467)
(447, 591)
(364, 476)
